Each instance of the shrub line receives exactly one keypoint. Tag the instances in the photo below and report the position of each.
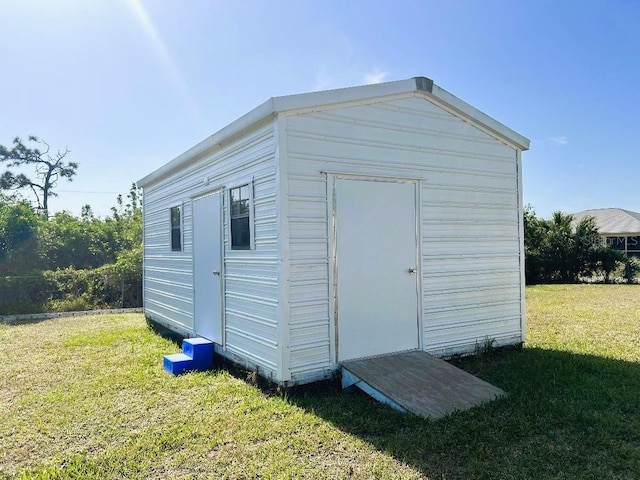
(27, 317)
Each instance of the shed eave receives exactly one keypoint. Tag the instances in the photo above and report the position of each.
(287, 103)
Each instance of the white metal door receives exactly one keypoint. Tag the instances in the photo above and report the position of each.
(376, 274)
(207, 267)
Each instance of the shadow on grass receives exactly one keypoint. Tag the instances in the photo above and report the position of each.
(566, 416)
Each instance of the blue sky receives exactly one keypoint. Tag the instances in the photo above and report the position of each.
(128, 85)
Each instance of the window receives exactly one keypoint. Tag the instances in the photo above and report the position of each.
(176, 230)
(617, 243)
(633, 246)
(629, 245)
(240, 201)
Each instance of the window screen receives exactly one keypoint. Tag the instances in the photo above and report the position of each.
(633, 245)
(240, 218)
(616, 242)
(176, 230)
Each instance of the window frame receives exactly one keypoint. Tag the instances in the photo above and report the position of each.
(180, 227)
(633, 246)
(249, 182)
(623, 243)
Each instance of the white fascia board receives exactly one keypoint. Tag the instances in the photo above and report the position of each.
(466, 110)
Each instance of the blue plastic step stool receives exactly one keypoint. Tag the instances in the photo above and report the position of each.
(197, 354)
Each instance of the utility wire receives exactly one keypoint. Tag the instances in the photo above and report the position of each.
(86, 191)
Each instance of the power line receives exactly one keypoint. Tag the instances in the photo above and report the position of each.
(87, 191)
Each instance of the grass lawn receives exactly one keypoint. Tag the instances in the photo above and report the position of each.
(85, 397)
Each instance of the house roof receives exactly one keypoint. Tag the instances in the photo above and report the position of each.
(421, 86)
(612, 220)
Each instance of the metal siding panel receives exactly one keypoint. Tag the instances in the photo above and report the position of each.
(462, 282)
(451, 246)
(472, 297)
(469, 224)
(456, 213)
(351, 128)
(250, 276)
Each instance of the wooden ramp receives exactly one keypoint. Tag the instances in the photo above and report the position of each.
(419, 383)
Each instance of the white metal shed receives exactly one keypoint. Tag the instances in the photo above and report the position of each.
(334, 225)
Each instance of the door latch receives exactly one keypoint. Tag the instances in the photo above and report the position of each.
(216, 272)
(413, 271)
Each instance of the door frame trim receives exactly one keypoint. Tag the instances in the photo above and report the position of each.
(333, 255)
(219, 190)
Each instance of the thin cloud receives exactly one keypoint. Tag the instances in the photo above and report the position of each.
(376, 76)
(559, 140)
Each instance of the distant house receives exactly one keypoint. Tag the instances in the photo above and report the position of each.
(618, 227)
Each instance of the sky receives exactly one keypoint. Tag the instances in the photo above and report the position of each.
(127, 85)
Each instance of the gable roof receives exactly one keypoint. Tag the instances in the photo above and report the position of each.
(612, 220)
(417, 85)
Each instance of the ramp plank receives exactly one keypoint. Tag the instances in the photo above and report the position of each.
(422, 384)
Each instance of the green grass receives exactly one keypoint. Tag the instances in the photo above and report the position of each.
(85, 397)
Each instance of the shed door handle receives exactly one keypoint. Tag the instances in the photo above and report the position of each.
(216, 272)
(413, 271)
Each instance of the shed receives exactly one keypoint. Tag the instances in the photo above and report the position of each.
(330, 226)
(618, 228)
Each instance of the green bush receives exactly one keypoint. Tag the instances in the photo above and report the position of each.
(117, 285)
(556, 250)
(608, 260)
(631, 269)
(25, 294)
(67, 262)
(71, 303)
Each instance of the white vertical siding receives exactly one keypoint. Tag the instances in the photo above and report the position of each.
(469, 220)
(251, 296)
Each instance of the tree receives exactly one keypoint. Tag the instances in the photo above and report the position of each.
(87, 241)
(558, 251)
(18, 227)
(49, 168)
(588, 247)
(631, 269)
(608, 260)
(17, 224)
(534, 233)
(127, 221)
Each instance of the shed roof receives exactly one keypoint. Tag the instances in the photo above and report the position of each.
(612, 220)
(417, 85)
